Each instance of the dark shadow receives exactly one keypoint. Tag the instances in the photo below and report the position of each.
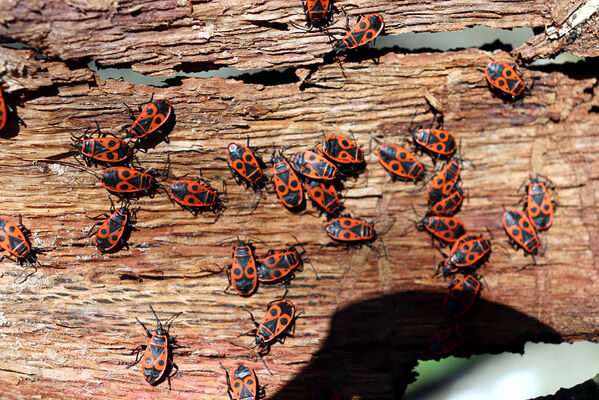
(373, 346)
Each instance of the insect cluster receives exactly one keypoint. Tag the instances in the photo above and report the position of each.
(318, 171)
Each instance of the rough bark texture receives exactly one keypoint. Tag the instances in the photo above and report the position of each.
(67, 330)
(161, 37)
(576, 32)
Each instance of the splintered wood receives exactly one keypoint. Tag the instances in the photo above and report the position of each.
(68, 331)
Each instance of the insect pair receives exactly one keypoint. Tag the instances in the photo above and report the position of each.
(246, 271)
(319, 14)
(523, 229)
(155, 120)
(403, 165)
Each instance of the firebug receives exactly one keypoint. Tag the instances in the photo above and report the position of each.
(325, 195)
(504, 80)
(242, 273)
(521, 230)
(448, 205)
(195, 195)
(14, 241)
(363, 32)
(157, 357)
(444, 183)
(287, 184)
(468, 253)
(447, 340)
(153, 118)
(114, 231)
(246, 165)
(127, 182)
(244, 385)
(313, 166)
(461, 296)
(539, 206)
(399, 162)
(276, 324)
(104, 150)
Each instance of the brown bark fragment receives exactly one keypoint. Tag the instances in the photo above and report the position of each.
(68, 331)
(161, 37)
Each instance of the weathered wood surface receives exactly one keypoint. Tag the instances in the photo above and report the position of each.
(574, 31)
(161, 37)
(66, 332)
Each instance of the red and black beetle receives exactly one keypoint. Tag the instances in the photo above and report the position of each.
(3, 115)
(244, 385)
(448, 205)
(325, 195)
(280, 266)
(400, 163)
(504, 80)
(447, 340)
(342, 150)
(444, 183)
(154, 117)
(318, 12)
(242, 273)
(438, 143)
(278, 320)
(104, 150)
(287, 184)
(539, 206)
(157, 358)
(521, 230)
(349, 230)
(363, 32)
(461, 296)
(5, 110)
(14, 241)
(195, 195)
(127, 182)
(313, 166)
(114, 232)
(246, 164)
(447, 229)
(467, 254)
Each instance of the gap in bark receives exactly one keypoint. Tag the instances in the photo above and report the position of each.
(476, 36)
(484, 38)
(39, 55)
(572, 66)
(450, 376)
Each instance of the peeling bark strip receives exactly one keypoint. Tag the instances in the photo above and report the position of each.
(67, 333)
(161, 37)
(579, 35)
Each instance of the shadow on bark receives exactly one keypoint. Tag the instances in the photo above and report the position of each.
(373, 346)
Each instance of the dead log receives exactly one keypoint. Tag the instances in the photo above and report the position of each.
(68, 332)
(207, 35)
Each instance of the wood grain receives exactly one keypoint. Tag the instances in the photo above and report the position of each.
(161, 37)
(68, 330)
